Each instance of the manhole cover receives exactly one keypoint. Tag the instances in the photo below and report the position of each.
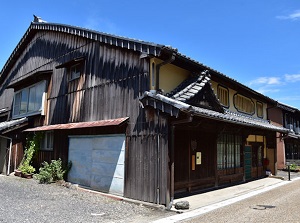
(262, 207)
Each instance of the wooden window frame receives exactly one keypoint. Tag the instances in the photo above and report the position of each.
(76, 62)
(77, 72)
(262, 109)
(240, 108)
(229, 151)
(47, 141)
(153, 68)
(221, 88)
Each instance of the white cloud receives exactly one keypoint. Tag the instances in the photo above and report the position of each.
(293, 16)
(292, 77)
(266, 81)
(265, 91)
(101, 24)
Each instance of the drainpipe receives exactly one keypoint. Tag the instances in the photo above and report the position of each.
(184, 121)
(158, 161)
(10, 145)
(158, 66)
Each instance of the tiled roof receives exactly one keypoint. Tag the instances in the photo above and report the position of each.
(3, 110)
(144, 47)
(190, 87)
(124, 42)
(12, 123)
(287, 107)
(228, 116)
(222, 75)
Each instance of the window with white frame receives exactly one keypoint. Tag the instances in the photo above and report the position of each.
(28, 100)
(47, 141)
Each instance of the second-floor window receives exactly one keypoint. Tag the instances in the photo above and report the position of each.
(244, 104)
(259, 109)
(223, 96)
(75, 71)
(29, 100)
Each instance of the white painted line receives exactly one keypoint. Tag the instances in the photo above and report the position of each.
(203, 210)
(95, 214)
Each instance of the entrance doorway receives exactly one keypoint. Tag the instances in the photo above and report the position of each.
(248, 162)
(194, 158)
(3, 156)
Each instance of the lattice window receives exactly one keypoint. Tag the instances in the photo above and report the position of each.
(259, 109)
(244, 104)
(229, 151)
(223, 95)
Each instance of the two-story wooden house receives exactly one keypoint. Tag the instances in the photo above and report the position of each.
(136, 119)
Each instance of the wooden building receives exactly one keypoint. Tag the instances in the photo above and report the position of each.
(288, 147)
(136, 119)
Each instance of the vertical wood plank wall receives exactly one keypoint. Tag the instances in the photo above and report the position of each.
(113, 80)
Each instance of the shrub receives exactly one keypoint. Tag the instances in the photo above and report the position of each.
(32, 146)
(294, 167)
(51, 172)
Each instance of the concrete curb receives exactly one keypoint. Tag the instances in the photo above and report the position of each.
(208, 208)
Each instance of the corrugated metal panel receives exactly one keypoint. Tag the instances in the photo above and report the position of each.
(78, 125)
(98, 162)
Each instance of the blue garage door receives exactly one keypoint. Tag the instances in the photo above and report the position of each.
(98, 162)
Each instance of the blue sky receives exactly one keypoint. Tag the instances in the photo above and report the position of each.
(252, 41)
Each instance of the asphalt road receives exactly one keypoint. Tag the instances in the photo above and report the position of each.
(23, 200)
(278, 205)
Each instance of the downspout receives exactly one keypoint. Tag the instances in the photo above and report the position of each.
(172, 177)
(158, 161)
(158, 66)
(10, 145)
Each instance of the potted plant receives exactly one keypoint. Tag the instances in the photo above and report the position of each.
(32, 146)
(18, 172)
(26, 170)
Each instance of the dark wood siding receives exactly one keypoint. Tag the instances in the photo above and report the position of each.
(188, 141)
(16, 155)
(6, 98)
(147, 170)
(111, 83)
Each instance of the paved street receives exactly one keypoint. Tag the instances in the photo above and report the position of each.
(23, 200)
(278, 205)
